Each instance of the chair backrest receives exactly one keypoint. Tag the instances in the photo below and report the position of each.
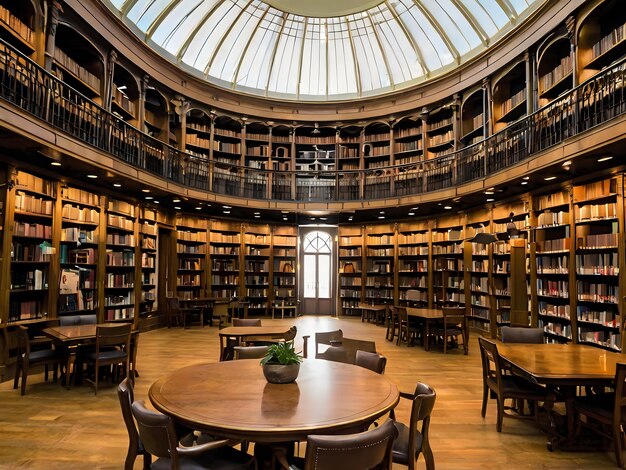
(250, 352)
(336, 354)
(619, 411)
(23, 342)
(421, 409)
(454, 315)
(369, 449)
(126, 396)
(291, 334)
(173, 305)
(372, 361)
(247, 322)
(70, 320)
(412, 295)
(403, 317)
(157, 432)
(327, 337)
(492, 368)
(520, 334)
(113, 335)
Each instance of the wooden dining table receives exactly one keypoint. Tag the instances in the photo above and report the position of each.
(233, 399)
(428, 316)
(371, 311)
(239, 334)
(69, 337)
(562, 368)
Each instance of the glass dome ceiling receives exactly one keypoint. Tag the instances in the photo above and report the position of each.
(320, 50)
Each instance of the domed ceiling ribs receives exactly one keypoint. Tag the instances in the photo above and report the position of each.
(253, 47)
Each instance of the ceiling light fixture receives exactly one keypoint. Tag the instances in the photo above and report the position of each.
(93, 177)
(447, 207)
(605, 159)
(198, 208)
(177, 208)
(526, 177)
(145, 190)
(117, 185)
(490, 199)
(157, 202)
(149, 197)
(176, 200)
(524, 182)
(411, 213)
(549, 178)
(381, 217)
(55, 163)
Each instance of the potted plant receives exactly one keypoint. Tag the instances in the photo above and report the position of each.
(281, 363)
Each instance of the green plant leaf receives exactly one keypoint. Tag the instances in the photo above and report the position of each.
(283, 353)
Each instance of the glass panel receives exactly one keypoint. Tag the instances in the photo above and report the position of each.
(323, 273)
(285, 69)
(455, 25)
(310, 277)
(313, 79)
(144, 12)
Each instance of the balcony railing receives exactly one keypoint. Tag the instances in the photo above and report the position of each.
(31, 88)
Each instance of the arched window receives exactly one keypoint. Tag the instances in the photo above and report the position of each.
(317, 247)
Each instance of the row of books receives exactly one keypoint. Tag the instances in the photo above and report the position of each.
(553, 288)
(606, 264)
(552, 310)
(147, 260)
(80, 195)
(514, 101)
(26, 229)
(190, 236)
(32, 279)
(604, 317)
(553, 264)
(32, 204)
(120, 258)
(72, 66)
(28, 252)
(34, 183)
(218, 237)
(447, 249)
(603, 240)
(546, 219)
(189, 264)
(77, 256)
(225, 265)
(601, 293)
(119, 280)
(80, 214)
(190, 249)
(25, 310)
(225, 279)
(551, 246)
(596, 211)
(114, 220)
(188, 279)
(350, 281)
(561, 70)
(121, 239)
(608, 41)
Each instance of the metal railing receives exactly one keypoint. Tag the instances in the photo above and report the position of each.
(31, 88)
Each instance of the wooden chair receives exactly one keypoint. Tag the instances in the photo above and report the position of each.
(369, 449)
(407, 332)
(112, 349)
(221, 311)
(250, 352)
(336, 354)
(372, 361)
(453, 325)
(392, 322)
(521, 334)
(247, 322)
(322, 338)
(48, 356)
(176, 313)
(135, 447)
(413, 441)
(504, 386)
(158, 435)
(412, 297)
(606, 409)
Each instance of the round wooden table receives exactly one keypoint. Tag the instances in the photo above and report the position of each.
(234, 400)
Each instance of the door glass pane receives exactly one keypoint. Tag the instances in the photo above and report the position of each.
(309, 276)
(324, 276)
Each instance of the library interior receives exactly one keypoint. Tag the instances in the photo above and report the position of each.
(419, 204)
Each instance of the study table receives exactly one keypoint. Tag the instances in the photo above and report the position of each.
(233, 399)
(240, 333)
(69, 337)
(561, 368)
(371, 311)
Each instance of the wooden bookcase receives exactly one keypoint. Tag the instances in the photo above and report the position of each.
(473, 118)
(257, 244)
(440, 135)
(509, 96)
(31, 208)
(553, 264)
(120, 302)
(79, 252)
(555, 69)
(148, 234)
(351, 262)
(197, 139)
(478, 273)
(413, 262)
(225, 259)
(284, 265)
(191, 245)
(124, 95)
(17, 26)
(448, 263)
(598, 216)
(380, 262)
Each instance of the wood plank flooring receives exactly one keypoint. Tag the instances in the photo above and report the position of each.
(54, 428)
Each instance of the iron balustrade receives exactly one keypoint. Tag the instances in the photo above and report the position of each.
(26, 85)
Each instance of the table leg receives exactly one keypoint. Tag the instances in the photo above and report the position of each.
(427, 336)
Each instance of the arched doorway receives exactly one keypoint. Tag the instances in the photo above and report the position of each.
(317, 276)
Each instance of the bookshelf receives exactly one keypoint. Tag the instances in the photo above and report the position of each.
(440, 136)
(148, 239)
(124, 94)
(555, 69)
(350, 143)
(119, 278)
(473, 118)
(225, 244)
(257, 243)
(33, 200)
(78, 63)
(477, 260)
(315, 151)
(413, 265)
(509, 96)
(448, 264)
(78, 254)
(601, 39)
(597, 238)
(198, 133)
(553, 264)
(351, 253)
(17, 22)
(191, 243)
(380, 264)
(284, 266)
(408, 141)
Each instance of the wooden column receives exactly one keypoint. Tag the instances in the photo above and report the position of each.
(54, 8)
(519, 295)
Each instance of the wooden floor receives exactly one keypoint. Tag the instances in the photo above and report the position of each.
(54, 428)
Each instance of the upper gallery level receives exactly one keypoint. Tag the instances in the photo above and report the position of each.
(551, 82)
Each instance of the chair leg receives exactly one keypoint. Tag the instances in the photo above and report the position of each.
(617, 442)
(18, 368)
(500, 414)
(429, 460)
(483, 411)
(24, 377)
